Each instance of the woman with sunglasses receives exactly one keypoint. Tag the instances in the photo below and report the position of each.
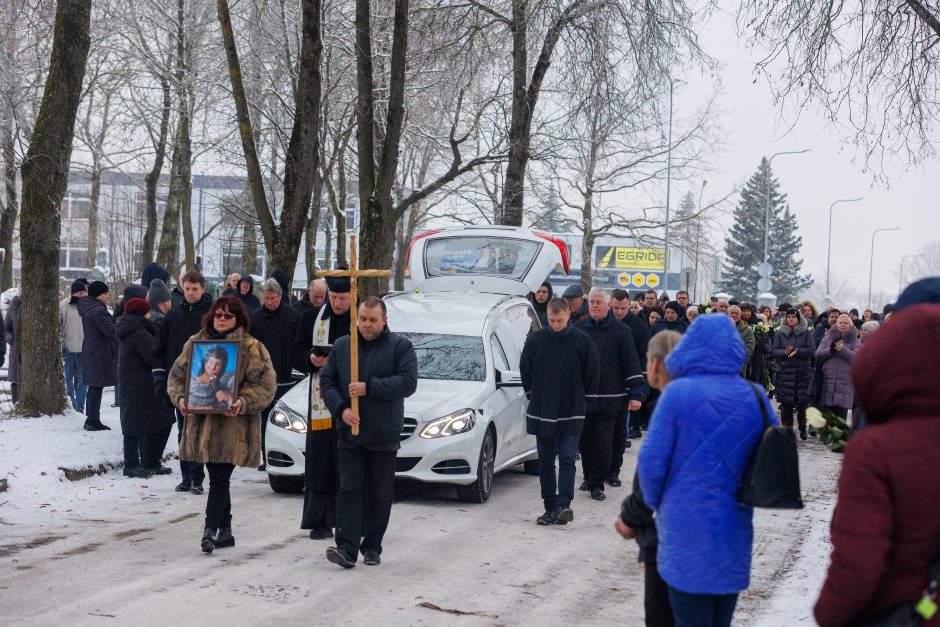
(223, 441)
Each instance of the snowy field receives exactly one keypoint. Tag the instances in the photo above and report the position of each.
(110, 550)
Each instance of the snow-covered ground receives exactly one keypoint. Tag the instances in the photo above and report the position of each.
(107, 547)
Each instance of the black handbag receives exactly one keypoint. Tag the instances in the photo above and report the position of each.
(814, 389)
(772, 477)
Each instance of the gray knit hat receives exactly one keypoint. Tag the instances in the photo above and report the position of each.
(159, 292)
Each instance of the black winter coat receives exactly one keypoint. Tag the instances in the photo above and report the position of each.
(252, 304)
(303, 340)
(636, 513)
(180, 324)
(389, 367)
(277, 330)
(679, 326)
(558, 371)
(641, 336)
(795, 372)
(621, 379)
(137, 338)
(99, 348)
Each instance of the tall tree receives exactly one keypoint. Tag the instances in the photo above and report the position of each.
(873, 68)
(744, 246)
(301, 163)
(45, 177)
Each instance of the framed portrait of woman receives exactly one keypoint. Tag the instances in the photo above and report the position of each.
(211, 387)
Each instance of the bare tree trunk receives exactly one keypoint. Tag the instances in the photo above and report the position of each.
(249, 244)
(301, 162)
(311, 227)
(10, 207)
(377, 219)
(525, 94)
(93, 204)
(587, 239)
(152, 180)
(45, 177)
(407, 226)
(328, 246)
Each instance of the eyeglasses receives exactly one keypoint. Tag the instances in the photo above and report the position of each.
(222, 315)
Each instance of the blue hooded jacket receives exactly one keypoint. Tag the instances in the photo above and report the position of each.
(702, 435)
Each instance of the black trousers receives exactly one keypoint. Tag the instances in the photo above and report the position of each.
(321, 481)
(93, 405)
(219, 502)
(191, 471)
(786, 415)
(364, 501)
(619, 444)
(597, 446)
(656, 599)
(145, 450)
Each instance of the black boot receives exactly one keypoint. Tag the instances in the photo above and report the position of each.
(207, 544)
(96, 425)
(225, 538)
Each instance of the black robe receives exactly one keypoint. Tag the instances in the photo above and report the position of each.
(321, 478)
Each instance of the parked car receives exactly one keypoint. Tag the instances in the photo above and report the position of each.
(468, 319)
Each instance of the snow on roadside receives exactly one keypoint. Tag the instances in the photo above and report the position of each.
(35, 454)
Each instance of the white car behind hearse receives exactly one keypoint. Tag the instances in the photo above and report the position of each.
(468, 319)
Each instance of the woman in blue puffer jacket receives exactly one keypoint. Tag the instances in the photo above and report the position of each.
(702, 435)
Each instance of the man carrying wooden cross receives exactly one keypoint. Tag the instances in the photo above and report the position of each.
(388, 373)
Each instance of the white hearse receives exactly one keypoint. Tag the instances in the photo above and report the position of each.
(468, 319)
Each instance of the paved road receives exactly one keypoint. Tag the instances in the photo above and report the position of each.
(139, 562)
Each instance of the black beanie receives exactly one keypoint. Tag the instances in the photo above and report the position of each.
(78, 286)
(97, 288)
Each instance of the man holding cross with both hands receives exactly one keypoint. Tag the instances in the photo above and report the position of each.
(368, 441)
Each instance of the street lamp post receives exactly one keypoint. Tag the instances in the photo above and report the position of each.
(901, 277)
(668, 189)
(767, 195)
(829, 247)
(871, 261)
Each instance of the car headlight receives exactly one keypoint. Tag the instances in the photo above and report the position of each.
(286, 418)
(460, 421)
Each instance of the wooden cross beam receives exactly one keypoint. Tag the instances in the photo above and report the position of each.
(353, 273)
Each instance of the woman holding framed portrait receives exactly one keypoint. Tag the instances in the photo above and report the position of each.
(221, 382)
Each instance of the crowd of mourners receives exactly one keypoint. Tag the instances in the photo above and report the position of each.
(708, 374)
(695, 381)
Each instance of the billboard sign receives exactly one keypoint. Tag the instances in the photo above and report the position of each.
(629, 258)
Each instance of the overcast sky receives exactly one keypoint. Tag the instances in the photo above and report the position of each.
(814, 180)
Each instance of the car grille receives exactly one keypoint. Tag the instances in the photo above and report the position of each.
(408, 428)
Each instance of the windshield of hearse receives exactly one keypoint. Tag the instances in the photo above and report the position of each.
(450, 357)
(479, 256)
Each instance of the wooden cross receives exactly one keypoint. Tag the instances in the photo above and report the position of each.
(353, 273)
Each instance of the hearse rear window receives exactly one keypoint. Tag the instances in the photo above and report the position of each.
(479, 256)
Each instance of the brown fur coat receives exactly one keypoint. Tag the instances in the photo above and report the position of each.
(227, 439)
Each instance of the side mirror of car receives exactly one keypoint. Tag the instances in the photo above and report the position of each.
(508, 379)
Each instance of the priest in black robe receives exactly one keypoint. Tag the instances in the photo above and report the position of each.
(319, 328)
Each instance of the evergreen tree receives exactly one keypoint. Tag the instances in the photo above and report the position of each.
(744, 246)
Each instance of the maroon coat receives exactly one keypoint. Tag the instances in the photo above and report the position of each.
(886, 524)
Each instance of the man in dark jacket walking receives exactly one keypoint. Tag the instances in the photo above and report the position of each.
(275, 326)
(620, 307)
(388, 373)
(621, 387)
(559, 366)
(179, 325)
(99, 351)
(672, 320)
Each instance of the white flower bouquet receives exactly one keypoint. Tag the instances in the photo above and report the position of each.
(832, 430)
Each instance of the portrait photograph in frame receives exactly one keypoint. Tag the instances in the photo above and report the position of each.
(211, 384)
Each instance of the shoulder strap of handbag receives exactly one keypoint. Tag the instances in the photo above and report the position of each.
(763, 407)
